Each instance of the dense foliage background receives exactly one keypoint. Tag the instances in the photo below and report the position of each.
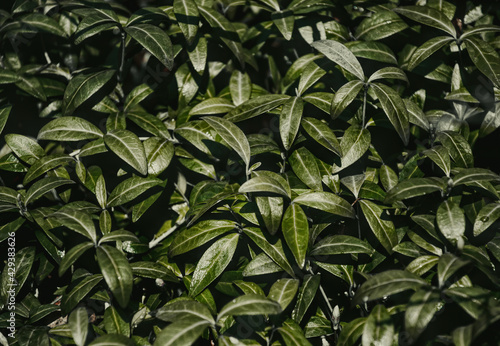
(242, 172)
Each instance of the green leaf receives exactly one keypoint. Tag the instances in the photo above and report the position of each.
(127, 146)
(341, 55)
(344, 97)
(351, 332)
(72, 255)
(224, 30)
(339, 245)
(388, 73)
(327, 202)
(4, 114)
(42, 23)
(471, 175)
(295, 228)
(82, 87)
(79, 323)
(292, 334)
(112, 339)
(24, 147)
(78, 292)
(114, 322)
(264, 184)
(148, 122)
(271, 246)
(138, 94)
(233, 136)
(271, 210)
(458, 147)
(387, 283)
(448, 265)
(427, 49)
(412, 188)
(355, 142)
(290, 117)
(213, 262)
(120, 235)
(485, 58)
(186, 13)
(215, 105)
(69, 129)
(440, 156)
(159, 153)
(421, 265)
(421, 309)
(394, 108)
(129, 189)
(76, 220)
(117, 273)
(92, 25)
(283, 291)
(428, 16)
(183, 332)
(322, 134)
(255, 106)
(379, 25)
(155, 40)
(8, 77)
(307, 292)
(382, 227)
(416, 115)
(312, 73)
(486, 217)
(372, 50)
(354, 183)
(152, 270)
(240, 87)
(378, 329)
(45, 164)
(305, 167)
(284, 21)
(450, 219)
(15, 278)
(250, 304)
(183, 308)
(43, 186)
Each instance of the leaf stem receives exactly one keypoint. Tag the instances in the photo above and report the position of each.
(122, 56)
(364, 103)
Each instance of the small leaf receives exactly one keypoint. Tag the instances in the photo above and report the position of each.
(388, 73)
(428, 16)
(215, 105)
(129, 148)
(78, 323)
(458, 147)
(378, 329)
(384, 230)
(305, 167)
(45, 164)
(322, 134)
(351, 332)
(78, 292)
(472, 175)
(422, 306)
(387, 283)
(152, 270)
(112, 339)
(295, 228)
(284, 21)
(76, 220)
(379, 25)
(24, 147)
(4, 114)
(240, 87)
(412, 188)
(186, 13)
(341, 55)
(427, 49)
(486, 217)
(451, 220)
(307, 292)
(290, 117)
(120, 235)
(440, 156)
(155, 40)
(183, 332)
(448, 265)
(283, 291)
(159, 153)
(183, 308)
(72, 255)
(212, 263)
(138, 94)
(255, 106)
(341, 244)
(117, 273)
(264, 184)
(292, 334)
(327, 202)
(344, 97)
(250, 304)
(129, 189)
(43, 186)
(354, 144)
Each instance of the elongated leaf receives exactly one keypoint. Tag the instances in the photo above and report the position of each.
(380, 24)
(341, 244)
(341, 55)
(307, 292)
(448, 265)
(271, 246)
(92, 25)
(129, 189)
(322, 134)
(312, 73)
(250, 304)
(69, 129)
(153, 270)
(284, 21)
(155, 40)
(4, 114)
(388, 73)
(24, 147)
(138, 94)
(372, 50)
(117, 273)
(292, 334)
(387, 283)
(421, 265)
(486, 217)
(295, 228)
(255, 106)
(72, 255)
(129, 148)
(212, 263)
(78, 292)
(183, 332)
(471, 175)
(427, 49)
(421, 309)
(216, 105)
(354, 144)
(305, 167)
(451, 220)
(395, 109)
(78, 221)
(82, 87)
(440, 156)
(485, 58)
(459, 149)
(182, 308)
(45, 164)
(291, 115)
(428, 16)
(264, 184)
(43, 186)
(159, 153)
(416, 115)
(344, 96)
(283, 291)
(413, 188)
(112, 339)
(186, 13)
(382, 227)
(327, 202)
(78, 323)
(240, 87)
(120, 235)
(351, 332)
(233, 136)
(378, 328)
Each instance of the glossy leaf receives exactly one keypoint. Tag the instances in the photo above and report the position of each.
(339, 245)
(78, 323)
(186, 13)
(340, 54)
(327, 202)
(291, 115)
(295, 228)
(428, 16)
(129, 148)
(381, 225)
(129, 189)
(155, 40)
(451, 220)
(250, 304)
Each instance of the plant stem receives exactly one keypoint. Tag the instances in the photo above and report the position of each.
(364, 103)
(122, 57)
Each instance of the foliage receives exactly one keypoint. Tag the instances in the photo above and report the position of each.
(250, 172)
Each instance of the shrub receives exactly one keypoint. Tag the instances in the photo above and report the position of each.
(249, 172)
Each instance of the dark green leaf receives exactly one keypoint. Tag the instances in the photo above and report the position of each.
(307, 292)
(155, 40)
(381, 225)
(78, 323)
(129, 148)
(250, 304)
(341, 55)
(341, 244)
(326, 201)
(428, 16)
